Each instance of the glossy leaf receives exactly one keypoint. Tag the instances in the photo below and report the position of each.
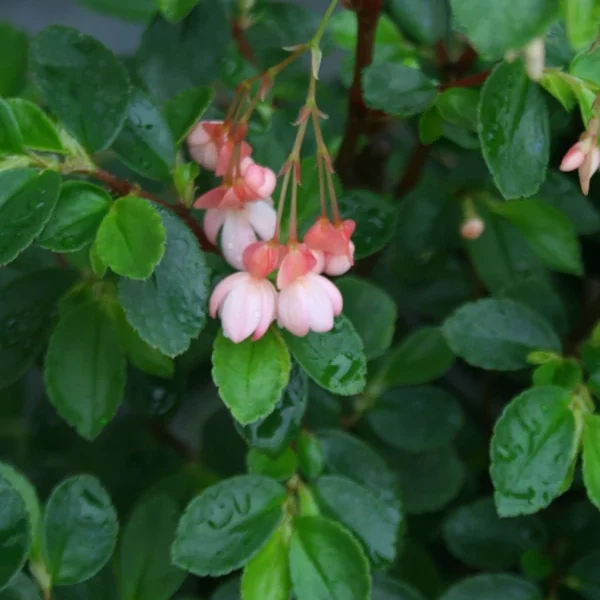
(184, 110)
(532, 451)
(326, 562)
(131, 238)
(251, 376)
(233, 519)
(37, 130)
(514, 129)
(79, 211)
(85, 369)
(80, 530)
(83, 83)
(14, 52)
(460, 107)
(591, 457)
(11, 140)
(170, 309)
(498, 334)
(335, 360)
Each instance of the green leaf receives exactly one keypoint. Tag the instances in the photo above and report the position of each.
(335, 360)
(134, 10)
(21, 587)
(416, 419)
(227, 525)
(533, 448)
(494, 28)
(398, 90)
(549, 232)
(131, 238)
(426, 20)
(173, 58)
(591, 457)
(386, 588)
(375, 218)
(267, 576)
(27, 311)
(498, 334)
(11, 140)
(83, 83)
(79, 211)
(514, 129)
(80, 530)
(421, 357)
(581, 18)
(14, 52)
(493, 587)
(251, 375)
(310, 455)
(170, 309)
(562, 86)
(230, 590)
(459, 106)
(27, 199)
(362, 298)
(365, 515)
(184, 110)
(38, 131)
(583, 576)
(85, 369)
(326, 562)
(175, 10)
(281, 468)
(145, 566)
(478, 537)
(15, 534)
(585, 66)
(145, 143)
(431, 126)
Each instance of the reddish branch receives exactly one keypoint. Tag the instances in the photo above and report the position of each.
(466, 82)
(239, 35)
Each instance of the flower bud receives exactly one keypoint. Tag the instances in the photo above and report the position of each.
(472, 228)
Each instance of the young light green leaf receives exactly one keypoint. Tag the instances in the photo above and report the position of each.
(170, 309)
(533, 448)
(459, 106)
(11, 140)
(145, 144)
(581, 18)
(267, 575)
(131, 238)
(38, 131)
(79, 211)
(416, 419)
(227, 524)
(15, 534)
(498, 334)
(426, 20)
(514, 129)
(493, 587)
(14, 51)
(398, 90)
(251, 376)
(326, 562)
(27, 199)
(549, 232)
(85, 369)
(83, 83)
(335, 360)
(186, 109)
(145, 566)
(591, 457)
(80, 530)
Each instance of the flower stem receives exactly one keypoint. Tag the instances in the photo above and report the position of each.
(316, 40)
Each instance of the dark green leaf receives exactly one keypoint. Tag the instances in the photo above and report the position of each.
(431, 126)
(398, 90)
(38, 131)
(478, 537)
(145, 143)
(365, 515)
(21, 587)
(361, 299)
(185, 110)
(251, 376)
(514, 129)
(493, 587)
(228, 591)
(459, 106)
(14, 51)
(27, 199)
(326, 562)
(416, 419)
(145, 552)
(498, 334)
(79, 211)
(99, 587)
(584, 576)
(173, 58)
(386, 588)
(15, 534)
(135, 10)
(426, 20)
(503, 25)
(335, 360)
(83, 83)
(11, 140)
(533, 448)
(170, 309)
(80, 530)
(228, 524)
(131, 238)
(85, 369)
(591, 457)
(175, 10)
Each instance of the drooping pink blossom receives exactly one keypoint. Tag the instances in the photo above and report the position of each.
(298, 261)
(330, 238)
(585, 156)
(205, 142)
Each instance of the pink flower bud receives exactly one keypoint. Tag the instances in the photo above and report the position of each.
(260, 181)
(472, 228)
(575, 156)
(330, 238)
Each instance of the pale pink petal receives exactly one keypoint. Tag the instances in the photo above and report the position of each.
(199, 135)
(211, 199)
(213, 221)
(320, 264)
(236, 236)
(241, 312)
(338, 264)
(297, 262)
(268, 312)
(262, 217)
(573, 159)
(335, 296)
(223, 288)
(319, 305)
(292, 311)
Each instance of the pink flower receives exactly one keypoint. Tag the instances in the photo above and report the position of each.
(226, 155)
(205, 142)
(241, 226)
(330, 238)
(298, 261)
(261, 181)
(246, 305)
(338, 264)
(585, 156)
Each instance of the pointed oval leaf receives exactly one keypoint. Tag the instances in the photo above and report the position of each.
(11, 140)
(186, 109)
(38, 131)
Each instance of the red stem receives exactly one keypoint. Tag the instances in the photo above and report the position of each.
(466, 82)
(239, 36)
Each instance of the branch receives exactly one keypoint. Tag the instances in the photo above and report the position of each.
(242, 44)
(466, 82)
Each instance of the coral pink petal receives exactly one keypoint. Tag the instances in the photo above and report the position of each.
(320, 264)
(223, 288)
(268, 311)
(292, 312)
(211, 199)
(261, 258)
(236, 236)
(234, 197)
(335, 296)
(319, 305)
(262, 217)
(573, 159)
(213, 221)
(296, 263)
(241, 311)
(349, 227)
(225, 154)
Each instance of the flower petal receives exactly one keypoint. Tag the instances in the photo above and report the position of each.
(320, 308)
(292, 311)
(213, 221)
(263, 218)
(236, 236)
(241, 311)
(267, 311)
(223, 288)
(335, 296)
(211, 199)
